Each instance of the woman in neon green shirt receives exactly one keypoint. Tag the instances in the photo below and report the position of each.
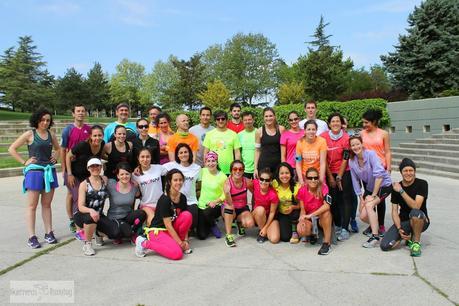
(211, 197)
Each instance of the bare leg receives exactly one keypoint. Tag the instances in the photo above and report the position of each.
(246, 219)
(32, 199)
(417, 225)
(304, 228)
(89, 230)
(68, 204)
(325, 221)
(274, 232)
(46, 199)
(259, 215)
(373, 215)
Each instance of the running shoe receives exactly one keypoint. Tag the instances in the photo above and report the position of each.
(338, 230)
(80, 235)
(367, 232)
(294, 239)
(117, 241)
(304, 239)
(261, 239)
(229, 240)
(325, 249)
(49, 238)
(371, 242)
(33, 242)
(189, 251)
(72, 226)
(133, 238)
(415, 249)
(408, 243)
(99, 241)
(216, 231)
(139, 249)
(343, 235)
(354, 226)
(233, 225)
(313, 239)
(87, 249)
(240, 229)
(382, 230)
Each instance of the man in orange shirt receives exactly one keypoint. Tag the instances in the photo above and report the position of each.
(182, 136)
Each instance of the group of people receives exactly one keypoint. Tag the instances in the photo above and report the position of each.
(291, 183)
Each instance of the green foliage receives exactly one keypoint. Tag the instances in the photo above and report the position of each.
(320, 39)
(24, 82)
(291, 93)
(71, 90)
(351, 110)
(216, 96)
(126, 84)
(426, 60)
(98, 88)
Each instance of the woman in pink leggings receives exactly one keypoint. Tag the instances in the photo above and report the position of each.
(168, 231)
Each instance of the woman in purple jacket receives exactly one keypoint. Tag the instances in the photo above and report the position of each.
(366, 167)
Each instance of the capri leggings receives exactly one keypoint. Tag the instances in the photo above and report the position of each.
(285, 224)
(206, 219)
(162, 242)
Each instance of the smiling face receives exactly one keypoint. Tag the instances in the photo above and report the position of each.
(123, 114)
(145, 159)
(204, 117)
(248, 122)
(79, 113)
(356, 146)
(284, 175)
(269, 118)
(236, 113)
(294, 121)
(183, 123)
(96, 136)
(335, 124)
(408, 174)
(163, 125)
(211, 163)
(310, 132)
(183, 155)
(368, 125)
(95, 170)
(312, 179)
(120, 134)
(142, 127)
(152, 114)
(176, 182)
(265, 181)
(221, 122)
(123, 176)
(237, 171)
(44, 122)
(310, 110)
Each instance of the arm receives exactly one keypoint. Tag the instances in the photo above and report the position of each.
(331, 180)
(412, 203)
(54, 157)
(82, 203)
(64, 154)
(323, 165)
(22, 140)
(283, 153)
(68, 162)
(237, 154)
(257, 151)
(107, 150)
(387, 151)
(272, 213)
(226, 190)
(299, 172)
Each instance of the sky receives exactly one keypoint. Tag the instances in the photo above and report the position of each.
(79, 33)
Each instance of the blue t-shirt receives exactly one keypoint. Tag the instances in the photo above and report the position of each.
(131, 131)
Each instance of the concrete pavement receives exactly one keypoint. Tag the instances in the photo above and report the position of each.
(248, 274)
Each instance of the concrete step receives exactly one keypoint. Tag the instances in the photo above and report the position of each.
(11, 138)
(431, 146)
(428, 158)
(428, 152)
(448, 135)
(455, 130)
(438, 140)
(428, 165)
(423, 170)
(20, 130)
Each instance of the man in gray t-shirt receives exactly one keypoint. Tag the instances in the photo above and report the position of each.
(200, 130)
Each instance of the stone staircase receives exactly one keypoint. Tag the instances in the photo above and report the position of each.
(437, 155)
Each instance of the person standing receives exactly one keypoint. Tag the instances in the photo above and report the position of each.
(247, 140)
(182, 135)
(122, 114)
(116, 151)
(224, 142)
(409, 210)
(163, 122)
(290, 138)
(73, 134)
(235, 124)
(153, 112)
(310, 108)
(40, 178)
(200, 130)
(144, 140)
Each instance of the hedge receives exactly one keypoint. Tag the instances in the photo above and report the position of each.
(352, 110)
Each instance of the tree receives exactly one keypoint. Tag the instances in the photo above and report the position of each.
(126, 84)
(159, 84)
(24, 82)
(426, 60)
(71, 89)
(247, 66)
(216, 96)
(191, 81)
(291, 93)
(98, 89)
(323, 70)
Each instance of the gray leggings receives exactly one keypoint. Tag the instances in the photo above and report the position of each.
(392, 236)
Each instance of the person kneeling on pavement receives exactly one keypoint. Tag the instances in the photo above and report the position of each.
(409, 210)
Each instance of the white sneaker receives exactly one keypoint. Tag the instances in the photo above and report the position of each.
(87, 249)
(99, 240)
(371, 243)
(139, 249)
(343, 235)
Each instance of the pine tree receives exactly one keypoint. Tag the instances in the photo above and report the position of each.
(98, 89)
(426, 60)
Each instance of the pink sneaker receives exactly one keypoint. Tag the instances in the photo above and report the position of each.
(80, 235)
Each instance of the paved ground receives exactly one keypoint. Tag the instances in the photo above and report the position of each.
(248, 274)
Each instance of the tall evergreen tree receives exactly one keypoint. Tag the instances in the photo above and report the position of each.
(426, 60)
(320, 39)
(98, 89)
(71, 89)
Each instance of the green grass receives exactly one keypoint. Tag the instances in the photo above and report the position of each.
(5, 149)
(9, 162)
(9, 115)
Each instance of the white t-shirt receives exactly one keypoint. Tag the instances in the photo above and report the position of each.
(322, 126)
(200, 133)
(191, 174)
(150, 184)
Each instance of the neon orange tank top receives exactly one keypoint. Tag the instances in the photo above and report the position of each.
(375, 143)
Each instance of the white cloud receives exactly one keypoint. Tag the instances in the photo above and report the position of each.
(135, 12)
(61, 7)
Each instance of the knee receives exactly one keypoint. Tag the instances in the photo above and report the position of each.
(387, 245)
(176, 254)
(417, 215)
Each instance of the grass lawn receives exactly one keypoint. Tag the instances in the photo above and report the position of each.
(5, 149)
(9, 115)
(9, 162)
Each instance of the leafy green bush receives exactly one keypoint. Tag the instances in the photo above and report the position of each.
(352, 110)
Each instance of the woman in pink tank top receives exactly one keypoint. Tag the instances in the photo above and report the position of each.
(235, 206)
(377, 140)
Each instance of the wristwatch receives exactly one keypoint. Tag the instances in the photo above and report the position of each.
(401, 191)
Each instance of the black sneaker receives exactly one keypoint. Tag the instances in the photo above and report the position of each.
(240, 229)
(261, 239)
(229, 240)
(324, 249)
(367, 232)
(49, 238)
(33, 242)
(313, 239)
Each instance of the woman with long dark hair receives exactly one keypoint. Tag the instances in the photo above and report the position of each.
(117, 151)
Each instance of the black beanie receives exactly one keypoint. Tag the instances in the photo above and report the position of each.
(406, 162)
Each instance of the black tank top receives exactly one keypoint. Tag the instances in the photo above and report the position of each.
(41, 149)
(116, 157)
(270, 154)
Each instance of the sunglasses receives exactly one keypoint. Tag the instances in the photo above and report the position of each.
(238, 169)
(293, 119)
(142, 126)
(264, 180)
(220, 119)
(313, 178)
